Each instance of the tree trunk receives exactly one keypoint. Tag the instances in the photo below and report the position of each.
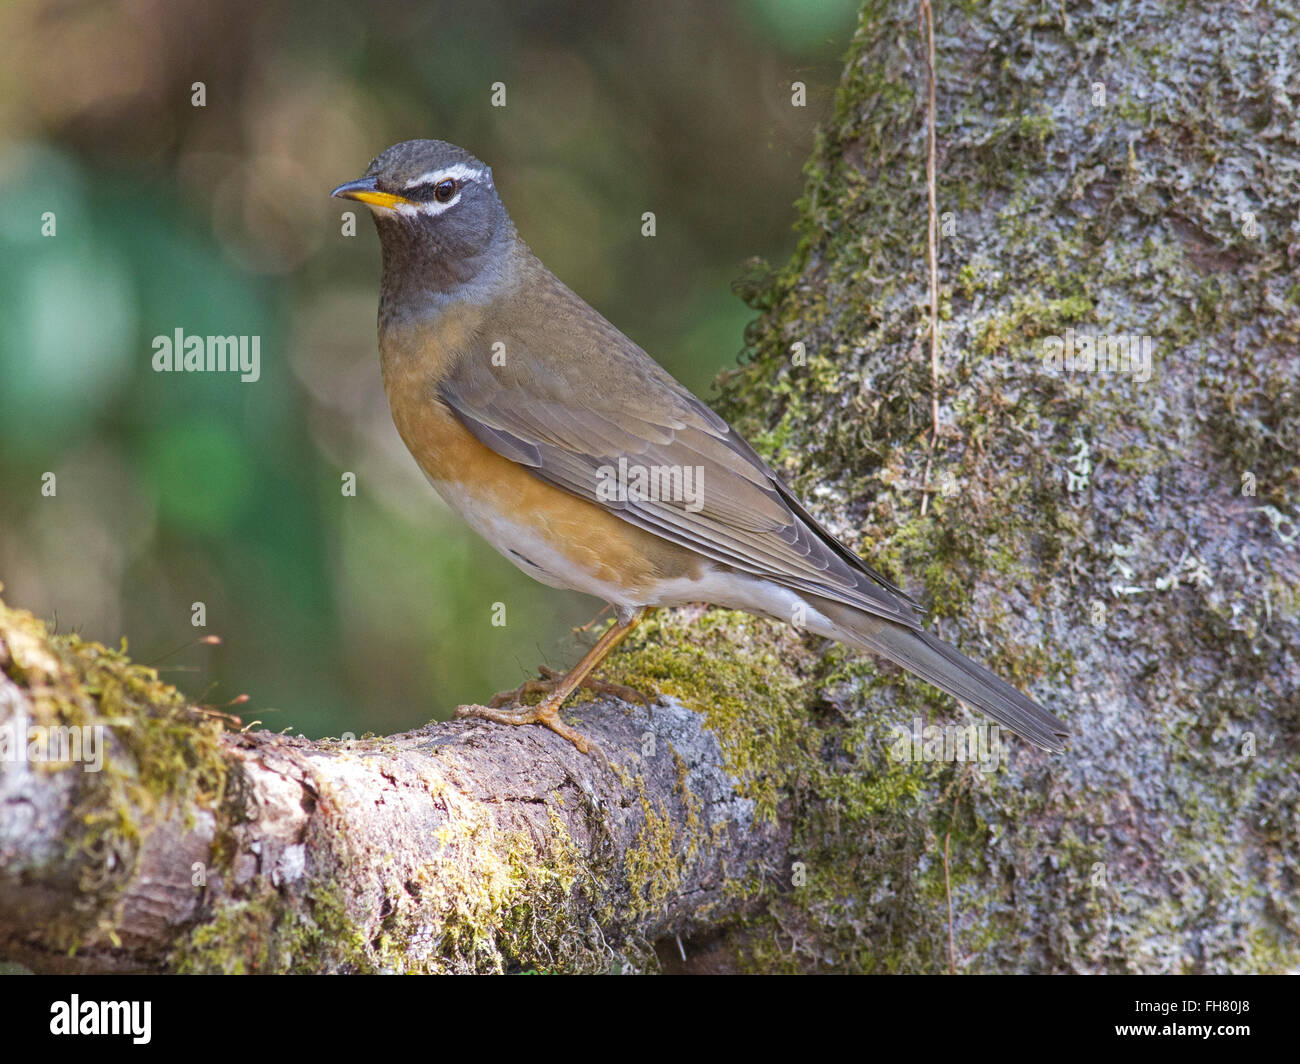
(1120, 541)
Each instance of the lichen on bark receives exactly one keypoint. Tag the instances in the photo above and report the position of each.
(1109, 170)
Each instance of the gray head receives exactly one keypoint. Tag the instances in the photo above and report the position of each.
(440, 221)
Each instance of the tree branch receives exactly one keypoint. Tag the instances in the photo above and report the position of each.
(462, 846)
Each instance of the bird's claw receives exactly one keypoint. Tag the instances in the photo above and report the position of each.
(552, 678)
(545, 713)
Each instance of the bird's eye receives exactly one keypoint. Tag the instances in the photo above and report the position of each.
(444, 190)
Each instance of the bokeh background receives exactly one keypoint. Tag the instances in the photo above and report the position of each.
(373, 612)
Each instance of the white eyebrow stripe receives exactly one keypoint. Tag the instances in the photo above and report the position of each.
(458, 172)
(431, 208)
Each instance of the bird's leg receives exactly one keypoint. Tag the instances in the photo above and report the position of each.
(547, 711)
(553, 678)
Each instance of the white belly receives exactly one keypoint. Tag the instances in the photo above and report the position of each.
(529, 551)
(533, 554)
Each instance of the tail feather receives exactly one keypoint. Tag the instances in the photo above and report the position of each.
(936, 662)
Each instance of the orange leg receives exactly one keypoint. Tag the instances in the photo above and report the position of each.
(553, 678)
(547, 711)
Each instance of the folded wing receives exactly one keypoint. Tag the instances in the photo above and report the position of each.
(537, 410)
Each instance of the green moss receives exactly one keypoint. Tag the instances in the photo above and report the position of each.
(651, 864)
(259, 935)
(856, 811)
(159, 753)
(503, 907)
(742, 673)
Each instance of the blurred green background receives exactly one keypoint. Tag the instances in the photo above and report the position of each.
(373, 612)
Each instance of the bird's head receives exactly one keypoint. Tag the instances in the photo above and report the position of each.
(435, 207)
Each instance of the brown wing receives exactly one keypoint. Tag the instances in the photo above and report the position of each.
(541, 410)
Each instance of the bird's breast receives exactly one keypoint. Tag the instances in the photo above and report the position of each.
(554, 536)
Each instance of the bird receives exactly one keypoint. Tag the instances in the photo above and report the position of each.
(590, 467)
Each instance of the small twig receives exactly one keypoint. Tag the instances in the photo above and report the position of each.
(956, 789)
(947, 886)
(203, 640)
(926, 27)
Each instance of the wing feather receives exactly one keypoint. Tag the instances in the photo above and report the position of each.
(539, 410)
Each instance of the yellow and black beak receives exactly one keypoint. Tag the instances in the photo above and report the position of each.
(364, 191)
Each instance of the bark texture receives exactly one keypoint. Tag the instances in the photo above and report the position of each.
(1125, 549)
(460, 847)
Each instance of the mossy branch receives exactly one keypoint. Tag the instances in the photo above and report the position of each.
(457, 847)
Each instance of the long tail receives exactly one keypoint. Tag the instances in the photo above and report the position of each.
(936, 662)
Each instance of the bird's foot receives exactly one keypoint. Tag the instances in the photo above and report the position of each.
(552, 679)
(546, 712)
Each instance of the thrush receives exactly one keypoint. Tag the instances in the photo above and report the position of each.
(587, 465)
